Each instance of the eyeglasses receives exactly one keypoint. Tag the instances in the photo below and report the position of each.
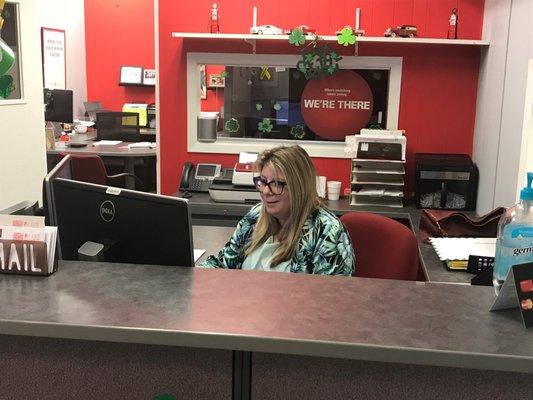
(276, 187)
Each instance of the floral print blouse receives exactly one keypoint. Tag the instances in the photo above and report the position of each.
(324, 248)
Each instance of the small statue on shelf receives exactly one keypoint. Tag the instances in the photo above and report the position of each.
(214, 26)
(452, 25)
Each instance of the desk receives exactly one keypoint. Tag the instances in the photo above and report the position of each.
(208, 212)
(143, 329)
(120, 150)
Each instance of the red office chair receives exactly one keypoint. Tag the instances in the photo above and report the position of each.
(91, 168)
(384, 248)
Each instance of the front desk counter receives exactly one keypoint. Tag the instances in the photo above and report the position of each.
(116, 331)
(206, 212)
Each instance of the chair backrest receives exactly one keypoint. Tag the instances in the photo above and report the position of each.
(118, 126)
(88, 168)
(384, 248)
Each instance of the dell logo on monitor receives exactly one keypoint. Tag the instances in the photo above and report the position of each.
(107, 211)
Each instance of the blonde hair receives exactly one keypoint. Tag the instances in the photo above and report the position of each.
(300, 174)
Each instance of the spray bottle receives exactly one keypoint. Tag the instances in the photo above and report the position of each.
(514, 244)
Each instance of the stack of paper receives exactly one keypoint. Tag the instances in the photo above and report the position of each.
(27, 246)
(455, 251)
(107, 142)
(142, 145)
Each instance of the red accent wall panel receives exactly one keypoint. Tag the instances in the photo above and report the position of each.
(119, 32)
(439, 83)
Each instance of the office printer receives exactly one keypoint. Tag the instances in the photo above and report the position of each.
(235, 185)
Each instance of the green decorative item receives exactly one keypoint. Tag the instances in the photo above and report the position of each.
(320, 61)
(346, 37)
(297, 131)
(265, 125)
(234, 97)
(276, 106)
(7, 60)
(232, 125)
(224, 74)
(296, 37)
(258, 106)
(165, 397)
(375, 126)
(6, 86)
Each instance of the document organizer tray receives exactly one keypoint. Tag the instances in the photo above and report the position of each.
(31, 258)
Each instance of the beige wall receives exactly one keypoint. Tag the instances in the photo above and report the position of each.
(69, 16)
(22, 142)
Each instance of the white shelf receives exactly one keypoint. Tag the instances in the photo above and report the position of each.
(360, 39)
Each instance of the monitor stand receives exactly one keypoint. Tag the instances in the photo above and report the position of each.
(92, 251)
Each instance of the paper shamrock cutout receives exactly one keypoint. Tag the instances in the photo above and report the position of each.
(319, 62)
(265, 125)
(258, 106)
(346, 37)
(296, 37)
(224, 74)
(297, 131)
(232, 125)
(276, 106)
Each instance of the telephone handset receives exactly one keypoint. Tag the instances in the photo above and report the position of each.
(198, 178)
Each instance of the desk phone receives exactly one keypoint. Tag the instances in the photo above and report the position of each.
(198, 178)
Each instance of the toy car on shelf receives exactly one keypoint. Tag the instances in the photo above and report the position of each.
(304, 28)
(402, 31)
(266, 30)
(356, 32)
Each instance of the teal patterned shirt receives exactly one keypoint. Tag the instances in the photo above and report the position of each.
(324, 247)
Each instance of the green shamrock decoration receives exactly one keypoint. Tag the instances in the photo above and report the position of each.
(297, 131)
(165, 397)
(265, 125)
(319, 62)
(258, 106)
(232, 125)
(224, 74)
(276, 106)
(346, 37)
(296, 37)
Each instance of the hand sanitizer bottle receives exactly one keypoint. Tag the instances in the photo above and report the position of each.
(514, 244)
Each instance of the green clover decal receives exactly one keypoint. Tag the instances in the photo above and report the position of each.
(265, 125)
(297, 131)
(258, 106)
(276, 106)
(165, 397)
(296, 37)
(232, 125)
(224, 74)
(346, 37)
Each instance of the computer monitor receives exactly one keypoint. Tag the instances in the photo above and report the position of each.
(122, 126)
(124, 225)
(58, 105)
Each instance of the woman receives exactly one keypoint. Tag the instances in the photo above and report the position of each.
(288, 231)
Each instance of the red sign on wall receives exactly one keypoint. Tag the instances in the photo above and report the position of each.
(338, 105)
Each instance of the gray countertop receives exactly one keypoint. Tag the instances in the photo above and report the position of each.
(352, 318)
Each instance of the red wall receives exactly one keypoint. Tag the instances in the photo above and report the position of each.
(118, 32)
(439, 82)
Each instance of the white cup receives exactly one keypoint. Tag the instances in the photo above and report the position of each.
(334, 190)
(80, 128)
(321, 186)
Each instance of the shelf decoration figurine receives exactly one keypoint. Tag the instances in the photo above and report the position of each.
(452, 24)
(214, 26)
(358, 31)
